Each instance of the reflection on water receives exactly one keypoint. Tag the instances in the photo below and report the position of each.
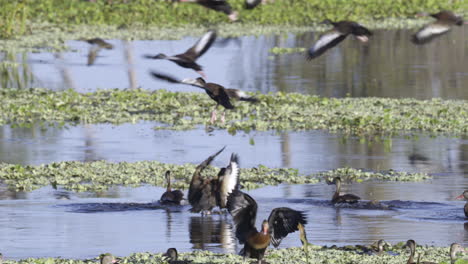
(388, 66)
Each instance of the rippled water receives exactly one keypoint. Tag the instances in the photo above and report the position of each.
(123, 220)
(389, 66)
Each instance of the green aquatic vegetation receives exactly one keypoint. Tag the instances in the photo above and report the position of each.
(317, 254)
(100, 175)
(275, 111)
(280, 50)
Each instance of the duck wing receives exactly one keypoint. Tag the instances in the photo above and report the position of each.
(202, 45)
(250, 4)
(429, 32)
(196, 184)
(283, 221)
(172, 79)
(230, 179)
(240, 95)
(243, 209)
(325, 42)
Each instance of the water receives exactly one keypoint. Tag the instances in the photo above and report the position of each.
(388, 66)
(52, 223)
(59, 220)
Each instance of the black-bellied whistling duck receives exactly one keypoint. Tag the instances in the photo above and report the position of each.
(172, 257)
(97, 44)
(445, 20)
(171, 196)
(228, 179)
(217, 5)
(218, 93)
(345, 198)
(454, 249)
(411, 244)
(339, 32)
(188, 58)
(380, 247)
(281, 222)
(107, 258)
(464, 195)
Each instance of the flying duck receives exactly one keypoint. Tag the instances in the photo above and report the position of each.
(188, 58)
(97, 44)
(339, 32)
(345, 198)
(464, 195)
(217, 5)
(445, 20)
(281, 222)
(218, 93)
(171, 196)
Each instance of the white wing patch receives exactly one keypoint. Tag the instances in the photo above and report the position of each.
(324, 40)
(430, 30)
(191, 82)
(230, 181)
(203, 41)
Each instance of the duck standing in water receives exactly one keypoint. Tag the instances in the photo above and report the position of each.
(281, 222)
(172, 257)
(97, 44)
(173, 197)
(339, 32)
(218, 93)
(345, 198)
(189, 57)
(107, 258)
(464, 195)
(445, 20)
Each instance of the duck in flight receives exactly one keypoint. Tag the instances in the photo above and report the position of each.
(218, 93)
(333, 37)
(444, 21)
(97, 44)
(280, 223)
(189, 57)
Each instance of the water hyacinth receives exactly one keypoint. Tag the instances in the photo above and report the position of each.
(317, 254)
(100, 175)
(275, 111)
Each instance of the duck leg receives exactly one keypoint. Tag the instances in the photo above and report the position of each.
(233, 16)
(223, 120)
(213, 116)
(202, 74)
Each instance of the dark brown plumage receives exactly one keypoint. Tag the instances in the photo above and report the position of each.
(172, 256)
(339, 32)
(445, 20)
(202, 193)
(217, 5)
(189, 57)
(345, 198)
(171, 196)
(281, 222)
(217, 92)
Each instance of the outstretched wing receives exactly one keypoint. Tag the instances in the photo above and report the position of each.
(194, 194)
(202, 45)
(243, 209)
(230, 179)
(283, 221)
(429, 32)
(165, 77)
(325, 42)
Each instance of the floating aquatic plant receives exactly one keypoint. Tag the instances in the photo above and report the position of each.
(100, 175)
(275, 111)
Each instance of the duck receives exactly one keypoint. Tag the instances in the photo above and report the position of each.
(339, 32)
(281, 222)
(464, 195)
(107, 258)
(216, 92)
(445, 20)
(345, 198)
(171, 196)
(206, 194)
(217, 5)
(189, 57)
(454, 249)
(97, 44)
(411, 244)
(380, 247)
(171, 255)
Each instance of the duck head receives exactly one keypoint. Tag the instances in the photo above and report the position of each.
(454, 249)
(108, 258)
(171, 254)
(464, 195)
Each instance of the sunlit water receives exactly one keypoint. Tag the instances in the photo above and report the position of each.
(123, 220)
(388, 66)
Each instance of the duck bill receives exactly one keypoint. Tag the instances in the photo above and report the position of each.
(459, 197)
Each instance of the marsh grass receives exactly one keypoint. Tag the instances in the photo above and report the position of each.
(15, 15)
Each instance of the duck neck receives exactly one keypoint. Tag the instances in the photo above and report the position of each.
(338, 188)
(168, 179)
(411, 257)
